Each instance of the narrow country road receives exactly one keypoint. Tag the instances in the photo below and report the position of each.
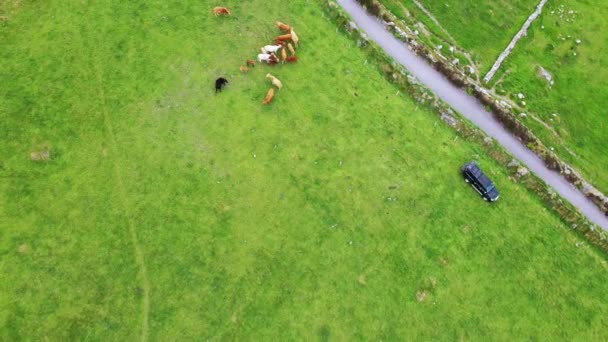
(469, 107)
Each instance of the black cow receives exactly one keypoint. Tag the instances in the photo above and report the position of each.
(220, 83)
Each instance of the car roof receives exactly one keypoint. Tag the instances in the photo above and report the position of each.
(479, 175)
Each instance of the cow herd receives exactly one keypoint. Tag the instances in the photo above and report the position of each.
(269, 54)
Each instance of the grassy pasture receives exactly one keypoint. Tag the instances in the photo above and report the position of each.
(484, 28)
(337, 212)
(568, 42)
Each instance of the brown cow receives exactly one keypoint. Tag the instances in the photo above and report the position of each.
(275, 81)
(294, 37)
(291, 49)
(244, 68)
(292, 59)
(269, 96)
(273, 60)
(250, 63)
(283, 55)
(282, 26)
(284, 37)
(221, 11)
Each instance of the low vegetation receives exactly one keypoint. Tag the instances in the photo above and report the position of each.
(135, 202)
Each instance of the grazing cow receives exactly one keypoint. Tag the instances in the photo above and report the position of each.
(291, 49)
(244, 68)
(268, 58)
(292, 59)
(221, 11)
(283, 55)
(284, 37)
(294, 37)
(269, 96)
(282, 26)
(250, 63)
(270, 48)
(273, 60)
(220, 83)
(275, 81)
(264, 57)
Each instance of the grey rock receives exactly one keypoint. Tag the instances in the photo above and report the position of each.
(450, 120)
(542, 72)
(513, 163)
(522, 171)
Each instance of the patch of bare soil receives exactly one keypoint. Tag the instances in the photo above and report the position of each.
(8, 8)
(422, 295)
(40, 156)
(362, 280)
(24, 248)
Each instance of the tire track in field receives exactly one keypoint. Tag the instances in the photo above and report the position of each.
(139, 255)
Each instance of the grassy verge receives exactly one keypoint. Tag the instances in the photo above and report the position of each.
(336, 212)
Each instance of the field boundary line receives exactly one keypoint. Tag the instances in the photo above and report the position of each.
(433, 19)
(139, 255)
(521, 33)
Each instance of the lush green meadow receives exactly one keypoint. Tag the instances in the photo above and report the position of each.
(337, 212)
(572, 46)
(484, 28)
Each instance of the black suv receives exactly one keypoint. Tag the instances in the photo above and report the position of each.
(473, 175)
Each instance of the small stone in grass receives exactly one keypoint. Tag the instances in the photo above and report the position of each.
(40, 155)
(24, 248)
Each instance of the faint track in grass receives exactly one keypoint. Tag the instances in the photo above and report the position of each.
(139, 255)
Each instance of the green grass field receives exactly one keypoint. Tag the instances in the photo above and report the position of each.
(484, 28)
(337, 212)
(579, 95)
